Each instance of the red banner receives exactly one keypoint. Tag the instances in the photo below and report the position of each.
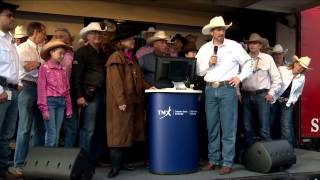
(310, 46)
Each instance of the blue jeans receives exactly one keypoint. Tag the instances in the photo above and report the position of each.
(284, 118)
(256, 105)
(56, 107)
(221, 111)
(30, 119)
(71, 126)
(89, 116)
(8, 120)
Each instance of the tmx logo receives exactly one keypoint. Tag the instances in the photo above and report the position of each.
(165, 113)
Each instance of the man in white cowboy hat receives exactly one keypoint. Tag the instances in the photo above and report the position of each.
(20, 35)
(148, 62)
(258, 91)
(279, 53)
(293, 82)
(30, 118)
(219, 62)
(147, 48)
(88, 79)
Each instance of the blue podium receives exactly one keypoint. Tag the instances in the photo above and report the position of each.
(173, 131)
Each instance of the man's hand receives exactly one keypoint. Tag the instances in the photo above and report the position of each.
(213, 61)
(3, 97)
(81, 101)
(235, 81)
(123, 107)
(269, 98)
(153, 87)
(31, 65)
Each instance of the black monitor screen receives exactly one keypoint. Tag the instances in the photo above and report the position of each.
(176, 69)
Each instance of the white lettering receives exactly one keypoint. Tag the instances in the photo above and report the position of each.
(315, 125)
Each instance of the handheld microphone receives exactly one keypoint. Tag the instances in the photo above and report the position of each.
(215, 50)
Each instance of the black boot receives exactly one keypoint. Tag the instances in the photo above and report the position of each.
(116, 162)
(127, 158)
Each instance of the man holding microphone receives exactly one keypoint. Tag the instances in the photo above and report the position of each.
(219, 61)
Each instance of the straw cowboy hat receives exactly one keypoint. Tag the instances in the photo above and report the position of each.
(303, 61)
(45, 52)
(279, 49)
(159, 35)
(255, 37)
(20, 32)
(149, 30)
(93, 26)
(214, 23)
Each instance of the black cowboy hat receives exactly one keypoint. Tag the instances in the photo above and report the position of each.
(4, 5)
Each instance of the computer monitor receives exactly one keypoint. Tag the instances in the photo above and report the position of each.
(177, 69)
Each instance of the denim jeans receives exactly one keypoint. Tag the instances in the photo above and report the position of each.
(71, 126)
(256, 105)
(56, 107)
(30, 125)
(90, 116)
(8, 120)
(284, 117)
(221, 111)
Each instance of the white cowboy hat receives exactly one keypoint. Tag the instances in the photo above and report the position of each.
(20, 32)
(45, 52)
(159, 35)
(149, 30)
(303, 61)
(255, 37)
(214, 23)
(279, 49)
(93, 26)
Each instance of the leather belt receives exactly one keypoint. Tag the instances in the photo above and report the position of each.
(30, 83)
(253, 93)
(217, 84)
(283, 99)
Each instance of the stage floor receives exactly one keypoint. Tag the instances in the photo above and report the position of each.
(306, 168)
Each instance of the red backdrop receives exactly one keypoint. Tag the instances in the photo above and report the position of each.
(310, 46)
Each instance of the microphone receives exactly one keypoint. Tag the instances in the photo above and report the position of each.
(215, 50)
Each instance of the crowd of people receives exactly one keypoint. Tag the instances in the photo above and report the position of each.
(96, 92)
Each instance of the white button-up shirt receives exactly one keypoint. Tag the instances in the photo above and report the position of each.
(9, 59)
(230, 57)
(265, 75)
(28, 51)
(296, 88)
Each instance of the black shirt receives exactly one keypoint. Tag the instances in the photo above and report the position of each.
(88, 69)
(286, 93)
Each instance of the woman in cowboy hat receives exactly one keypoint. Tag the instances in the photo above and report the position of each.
(279, 54)
(125, 113)
(293, 82)
(53, 90)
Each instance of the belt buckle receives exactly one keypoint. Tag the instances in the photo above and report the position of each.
(215, 84)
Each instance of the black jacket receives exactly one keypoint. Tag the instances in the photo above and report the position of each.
(88, 69)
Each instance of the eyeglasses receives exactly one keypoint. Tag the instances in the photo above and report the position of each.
(8, 15)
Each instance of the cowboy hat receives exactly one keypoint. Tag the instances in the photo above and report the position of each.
(20, 32)
(4, 5)
(279, 49)
(214, 23)
(191, 46)
(93, 26)
(159, 35)
(111, 27)
(149, 30)
(45, 52)
(303, 61)
(255, 37)
(124, 33)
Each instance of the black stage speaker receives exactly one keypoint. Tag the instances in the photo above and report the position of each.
(267, 156)
(57, 164)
